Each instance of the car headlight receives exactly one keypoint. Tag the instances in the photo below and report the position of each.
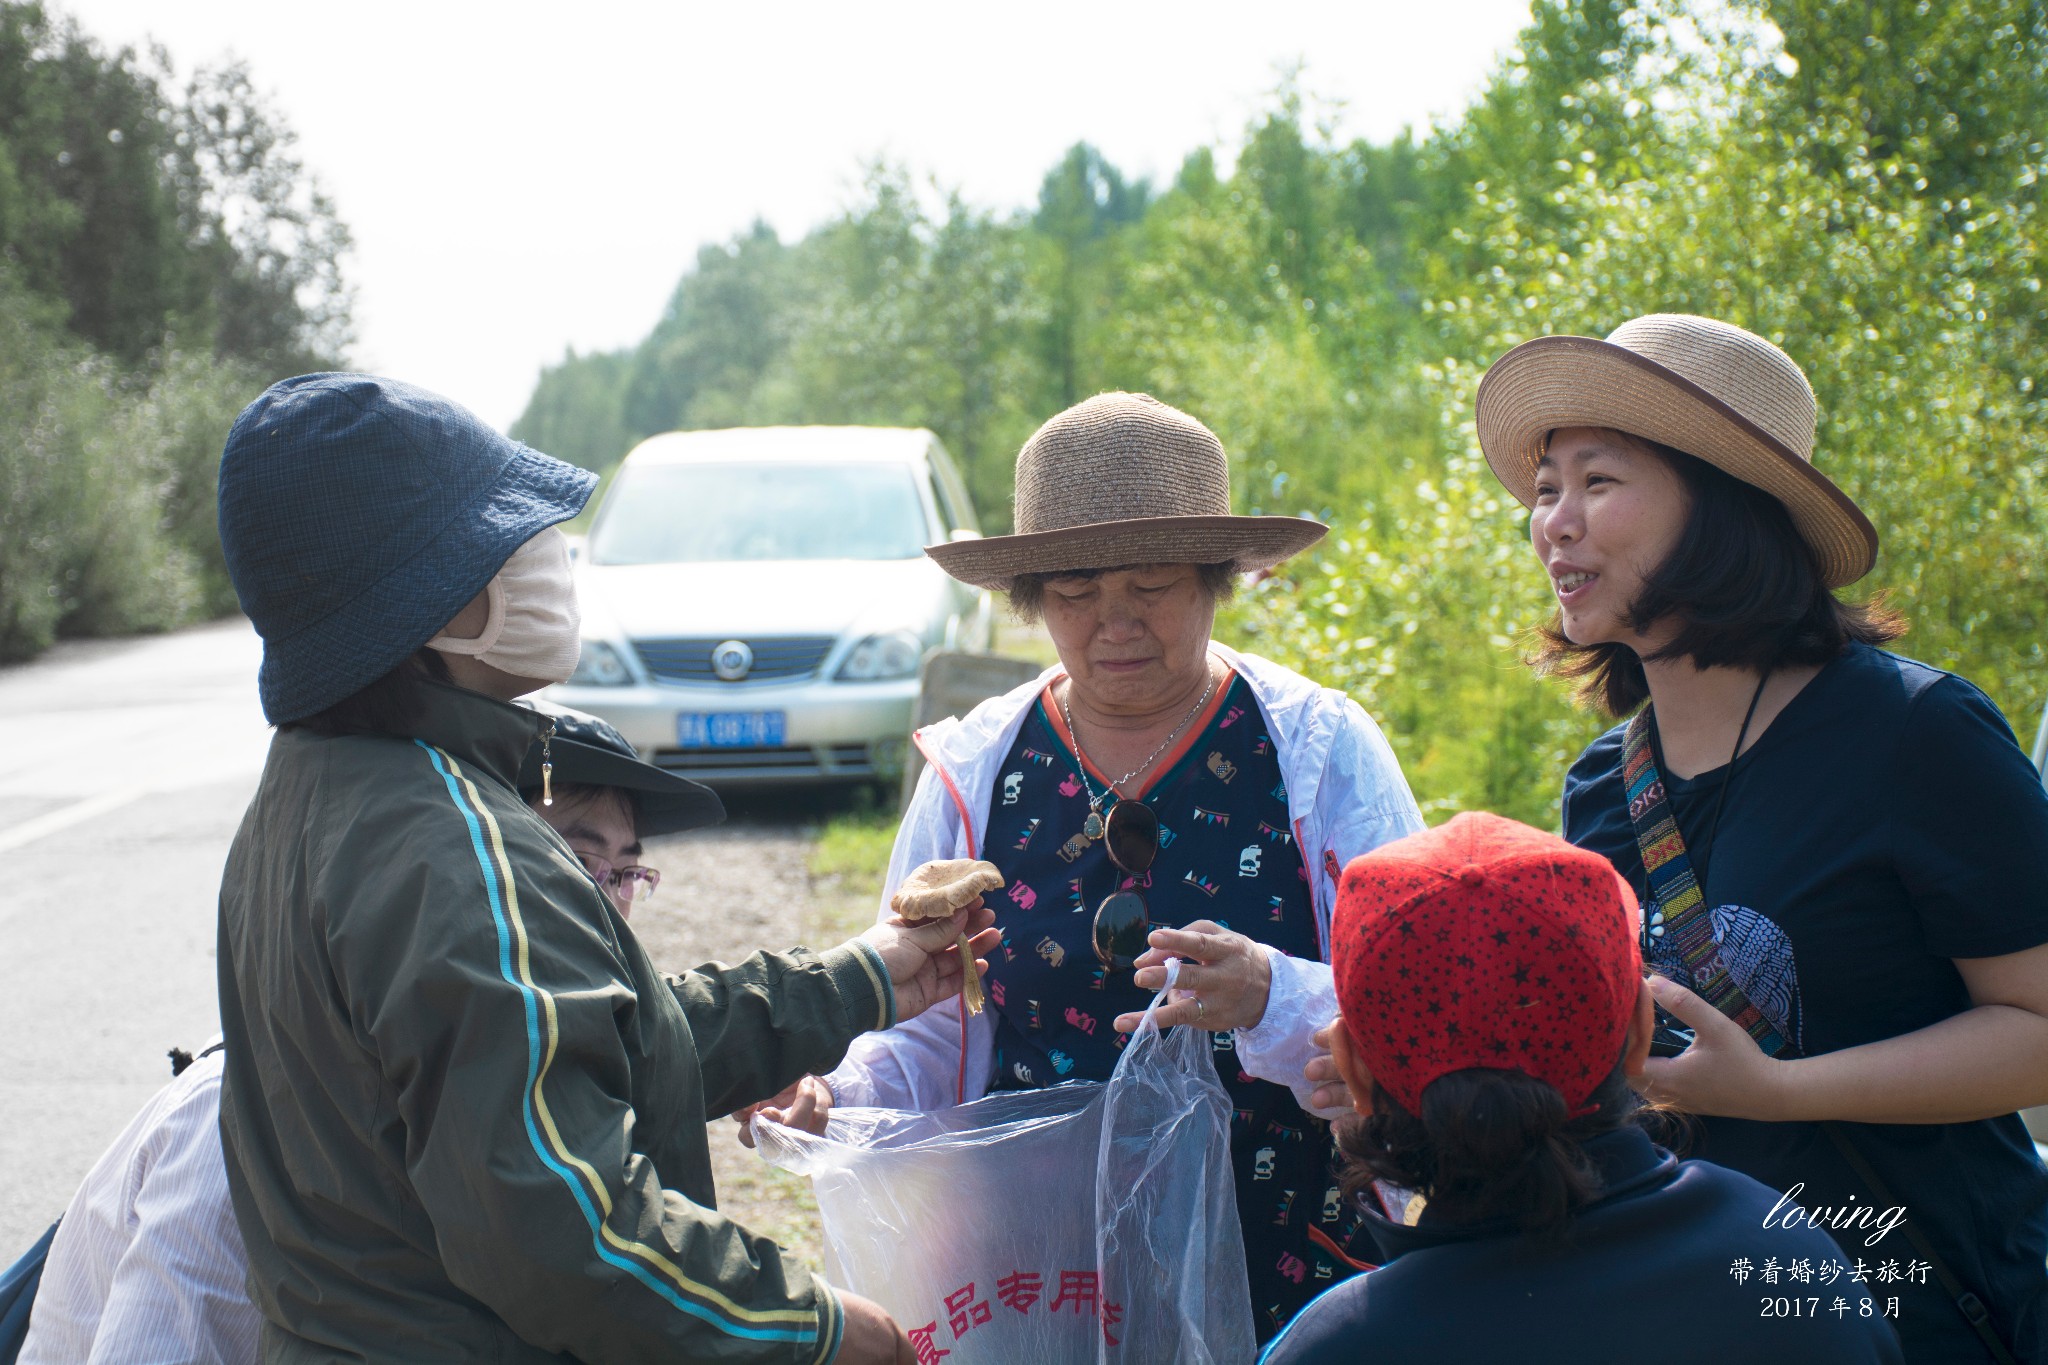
(880, 657)
(599, 666)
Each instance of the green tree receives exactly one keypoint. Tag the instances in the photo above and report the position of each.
(162, 254)
(1083, 203)
(262, 238)
(724, 326)
(159, 211)
(907, 321)
(106, 485)
(1860, 185)
(1958, 91)
(86, 215)
(578, 410)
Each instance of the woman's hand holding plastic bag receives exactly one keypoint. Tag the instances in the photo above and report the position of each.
(805, 1106)
(923, 970)
(1213, 978)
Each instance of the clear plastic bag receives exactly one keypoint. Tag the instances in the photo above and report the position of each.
(1090, 1223)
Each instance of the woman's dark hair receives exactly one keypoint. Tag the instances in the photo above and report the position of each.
(1027, 590)
(389, 706)
(1489, 1144)
(1744, 582)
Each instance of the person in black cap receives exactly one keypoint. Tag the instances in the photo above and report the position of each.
(603, 801)
(461, 1109)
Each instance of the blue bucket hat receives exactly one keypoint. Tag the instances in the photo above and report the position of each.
(358, 515)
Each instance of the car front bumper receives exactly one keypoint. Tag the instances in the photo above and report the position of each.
(832, 731)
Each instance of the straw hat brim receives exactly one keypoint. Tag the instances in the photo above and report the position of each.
(1247, 544)
(1569, 381)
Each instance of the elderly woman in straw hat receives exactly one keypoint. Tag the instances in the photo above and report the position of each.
(1838, 850)
(1153, 793)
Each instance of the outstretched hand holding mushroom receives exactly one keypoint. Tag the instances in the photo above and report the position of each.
(946, 888)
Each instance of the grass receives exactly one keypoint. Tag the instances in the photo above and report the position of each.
(771, 1202)
(1021, 641)
(847, 867)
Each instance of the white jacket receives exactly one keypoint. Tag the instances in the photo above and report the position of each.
(1345, 796)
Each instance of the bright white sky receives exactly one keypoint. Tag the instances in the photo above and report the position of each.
(521, 178)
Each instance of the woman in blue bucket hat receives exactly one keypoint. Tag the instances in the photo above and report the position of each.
(463, 1113)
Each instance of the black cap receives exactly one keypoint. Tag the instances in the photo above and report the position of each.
(589, 752)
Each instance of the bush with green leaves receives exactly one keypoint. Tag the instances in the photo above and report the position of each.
(1914, 327)
(1860, 184)
(163, 254)
(107, 482)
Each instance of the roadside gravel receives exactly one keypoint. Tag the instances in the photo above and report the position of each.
(742, 886)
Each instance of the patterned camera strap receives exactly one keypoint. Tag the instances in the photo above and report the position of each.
(1674, 890)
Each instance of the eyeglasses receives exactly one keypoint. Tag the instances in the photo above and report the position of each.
(1131, 838)
(628, 884)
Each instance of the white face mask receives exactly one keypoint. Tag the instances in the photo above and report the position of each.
(534, 630)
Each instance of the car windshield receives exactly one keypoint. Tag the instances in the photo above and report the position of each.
(708, 513)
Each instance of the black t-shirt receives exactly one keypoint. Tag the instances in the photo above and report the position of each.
(1884, 824)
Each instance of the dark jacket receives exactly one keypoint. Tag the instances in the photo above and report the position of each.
(464, 1115)
(1649, 1272)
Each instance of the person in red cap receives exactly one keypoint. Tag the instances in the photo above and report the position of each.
(1493, 1009)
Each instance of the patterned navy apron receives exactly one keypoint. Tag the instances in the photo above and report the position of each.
(1227, 853)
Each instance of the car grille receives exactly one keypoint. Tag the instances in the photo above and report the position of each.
(689, 661)
(829, 760)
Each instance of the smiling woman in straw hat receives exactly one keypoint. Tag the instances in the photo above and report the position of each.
(1838, 850)
(1149, 790)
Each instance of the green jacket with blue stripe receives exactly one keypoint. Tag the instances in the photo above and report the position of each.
(464, 1115)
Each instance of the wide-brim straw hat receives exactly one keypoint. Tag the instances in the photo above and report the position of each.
(1118, 479)
(1707, 388)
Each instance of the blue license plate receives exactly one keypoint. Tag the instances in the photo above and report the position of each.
(729, 730)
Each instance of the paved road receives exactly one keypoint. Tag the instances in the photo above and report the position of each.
(124, 768)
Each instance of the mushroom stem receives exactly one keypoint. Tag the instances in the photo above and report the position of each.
(970, 985)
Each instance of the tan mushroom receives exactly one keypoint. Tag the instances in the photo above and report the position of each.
(936, 890)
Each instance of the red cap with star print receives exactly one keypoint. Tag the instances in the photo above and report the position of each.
(1485, 943)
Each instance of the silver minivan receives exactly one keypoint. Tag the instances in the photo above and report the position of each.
(756, 602)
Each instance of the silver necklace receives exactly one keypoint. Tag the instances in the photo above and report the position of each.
(1092, 828)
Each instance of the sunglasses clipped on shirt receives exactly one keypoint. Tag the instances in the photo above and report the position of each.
(1130, 835)
(631, 884)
